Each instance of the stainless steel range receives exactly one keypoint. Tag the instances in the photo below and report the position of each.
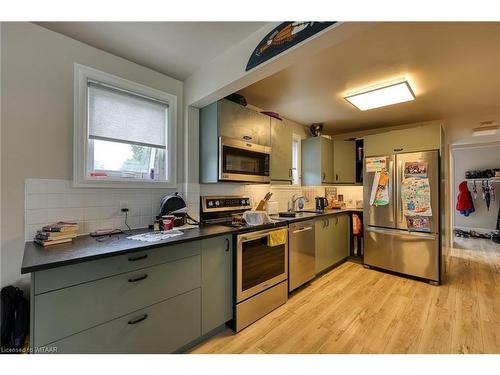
(261, 258)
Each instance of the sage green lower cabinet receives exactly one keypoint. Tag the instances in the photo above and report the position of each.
(332, 240)
(217, 282)
(152, 301)
(160, 328)
(70, 310)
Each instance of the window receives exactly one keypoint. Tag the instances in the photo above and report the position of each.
(124, 132)
(296, 156)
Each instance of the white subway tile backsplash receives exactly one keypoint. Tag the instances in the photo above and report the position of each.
(49, 201)
(36, 216)
(59, 200)
(36, 201)
(91, 213)
(34, 186)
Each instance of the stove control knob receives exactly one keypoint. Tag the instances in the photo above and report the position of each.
(210, 203)
(243, 202)
(248, 202)
(217, 203)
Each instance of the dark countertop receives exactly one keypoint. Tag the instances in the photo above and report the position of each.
(85, 248)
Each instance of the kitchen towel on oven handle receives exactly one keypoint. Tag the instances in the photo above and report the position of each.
(277, 237)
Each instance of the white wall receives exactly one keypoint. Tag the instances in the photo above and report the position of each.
(476, 157)
(37, 119)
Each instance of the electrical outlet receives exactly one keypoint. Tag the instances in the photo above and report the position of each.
(123, 204)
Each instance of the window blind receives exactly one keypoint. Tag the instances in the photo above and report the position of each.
(116, 115)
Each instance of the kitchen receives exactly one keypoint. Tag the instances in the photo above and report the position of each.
(297, 231)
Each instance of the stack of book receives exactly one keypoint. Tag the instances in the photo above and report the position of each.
(57, 233)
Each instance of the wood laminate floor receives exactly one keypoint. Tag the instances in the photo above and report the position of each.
(356, 310)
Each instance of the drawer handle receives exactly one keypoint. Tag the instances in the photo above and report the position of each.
(139, 278)
(138, 320)
(227, 244)
(138, 258)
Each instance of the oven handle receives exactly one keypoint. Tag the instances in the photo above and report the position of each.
(251, 238)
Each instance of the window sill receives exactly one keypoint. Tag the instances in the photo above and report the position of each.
(132, 184)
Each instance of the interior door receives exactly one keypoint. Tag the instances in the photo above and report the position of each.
(432, 160)
(381, 216)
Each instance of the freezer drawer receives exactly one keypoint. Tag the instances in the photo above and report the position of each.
(415, 254)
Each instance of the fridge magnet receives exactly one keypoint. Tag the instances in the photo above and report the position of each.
(416, 197)
(375, 164)
(418, 223)
(416, 169)
(283, 37)
(380, 189)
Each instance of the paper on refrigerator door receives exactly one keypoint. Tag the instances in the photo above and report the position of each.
(380, 189)
(375, 164)
(416, 197)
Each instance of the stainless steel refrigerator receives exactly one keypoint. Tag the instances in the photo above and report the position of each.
(388, 243)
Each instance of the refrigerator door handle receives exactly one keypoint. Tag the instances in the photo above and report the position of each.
(399, 180)
(427, 236)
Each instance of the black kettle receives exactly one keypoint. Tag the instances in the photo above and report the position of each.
(321, 203)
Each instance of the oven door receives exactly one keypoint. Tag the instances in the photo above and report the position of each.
(258, 265)
(243, 161)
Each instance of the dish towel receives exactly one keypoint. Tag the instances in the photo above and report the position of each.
(277, 237)
(464, 200)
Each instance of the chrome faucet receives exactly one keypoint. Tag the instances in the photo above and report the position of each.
(293, 200)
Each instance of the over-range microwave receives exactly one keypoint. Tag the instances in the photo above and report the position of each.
(243, 161)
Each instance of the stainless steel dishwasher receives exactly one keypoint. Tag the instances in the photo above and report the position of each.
(302, 254)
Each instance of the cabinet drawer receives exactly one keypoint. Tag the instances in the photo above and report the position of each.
(70, 310)
(63, 277)
(162, 328)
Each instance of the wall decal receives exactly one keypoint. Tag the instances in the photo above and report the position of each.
(284, 36)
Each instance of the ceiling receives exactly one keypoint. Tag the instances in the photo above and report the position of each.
(173, 48)
(453, 69)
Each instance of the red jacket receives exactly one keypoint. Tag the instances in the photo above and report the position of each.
(464, 199)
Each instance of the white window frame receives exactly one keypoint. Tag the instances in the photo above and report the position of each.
(82, 74)
(296, 138)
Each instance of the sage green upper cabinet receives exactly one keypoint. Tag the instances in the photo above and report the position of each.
(238, 122)
(216, 282)
(332, 241)
(317, 161)
(281, 151)
(228, 119)
(344, 161)
(418, 138)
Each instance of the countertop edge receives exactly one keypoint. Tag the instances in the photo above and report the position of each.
(145, 246)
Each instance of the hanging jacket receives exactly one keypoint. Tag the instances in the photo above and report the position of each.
(464, 200)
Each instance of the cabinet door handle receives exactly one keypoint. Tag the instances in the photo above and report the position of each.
(336, 177)
(398, 149)
(138, 278)
(290, 172)
(132, 259)
(323, 176)
(137, 320)
(227, 244)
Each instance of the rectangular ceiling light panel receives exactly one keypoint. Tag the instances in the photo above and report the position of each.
(382, 96)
